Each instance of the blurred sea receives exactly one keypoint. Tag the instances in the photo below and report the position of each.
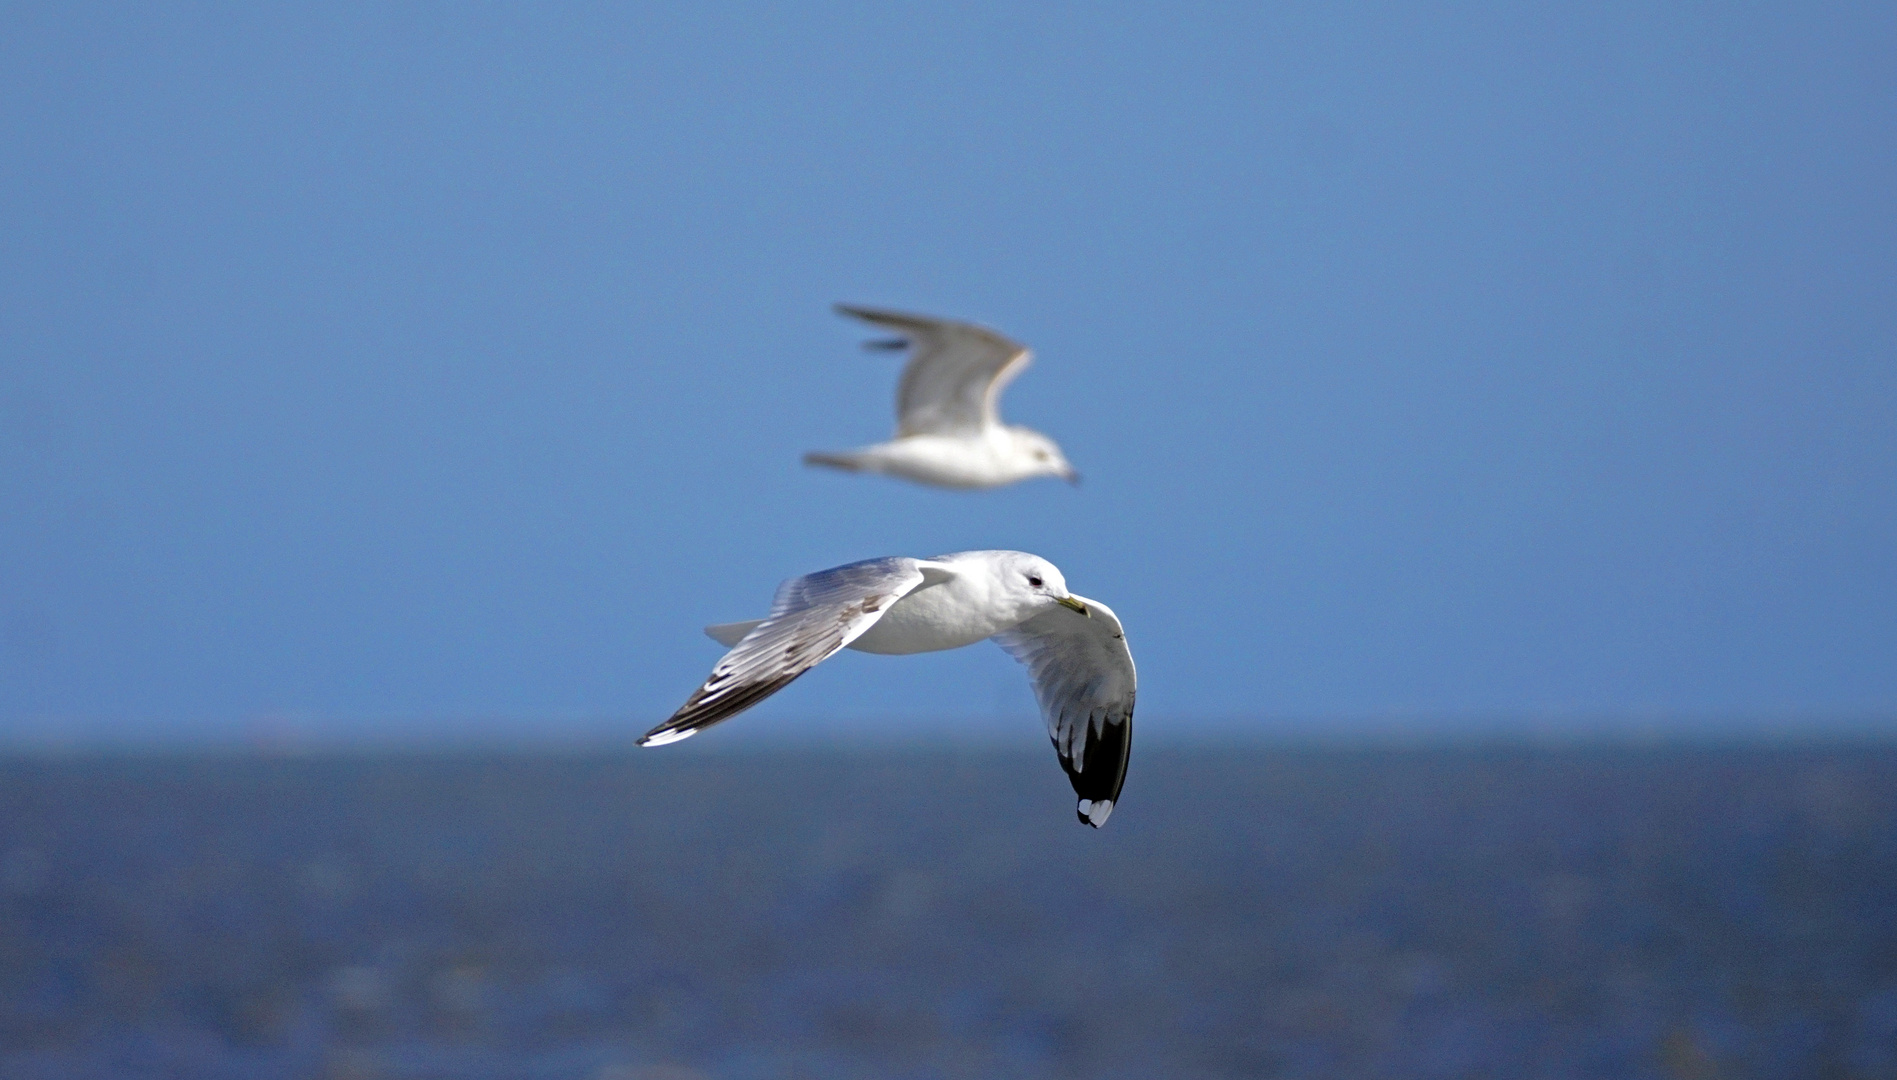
(1686, 911)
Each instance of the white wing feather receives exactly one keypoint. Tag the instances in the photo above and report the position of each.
(952, 384)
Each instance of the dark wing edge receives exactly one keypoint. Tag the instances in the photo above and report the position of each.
(895, 320)
(812, 617)
(1084, 679)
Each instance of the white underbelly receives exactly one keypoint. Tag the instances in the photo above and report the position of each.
(927, 620)
(938, 459)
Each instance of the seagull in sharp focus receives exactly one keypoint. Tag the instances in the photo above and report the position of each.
(948, 426)
(1074, 649)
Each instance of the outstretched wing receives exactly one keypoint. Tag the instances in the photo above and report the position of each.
(812, 617)
(1083, 677)
(955, 374)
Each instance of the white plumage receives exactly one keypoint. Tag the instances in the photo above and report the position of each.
(948, 421)
(1074, 649)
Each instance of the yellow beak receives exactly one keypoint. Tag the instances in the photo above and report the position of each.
(1077, 605)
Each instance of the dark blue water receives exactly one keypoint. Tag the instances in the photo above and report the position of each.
(1687, 912)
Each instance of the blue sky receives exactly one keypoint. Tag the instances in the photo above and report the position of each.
(436, 368)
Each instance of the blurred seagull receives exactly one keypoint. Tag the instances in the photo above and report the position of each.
(1074, 649)
(948, 428)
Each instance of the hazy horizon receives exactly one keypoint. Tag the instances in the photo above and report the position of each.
(323, 735)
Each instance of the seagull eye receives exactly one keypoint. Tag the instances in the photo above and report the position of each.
(1040, 455)
(1034, 581)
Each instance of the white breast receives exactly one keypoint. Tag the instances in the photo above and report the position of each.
(952, 461)
(936, 617)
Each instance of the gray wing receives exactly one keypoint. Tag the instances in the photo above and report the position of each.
(1083, 677)
(955, 375)
(812, 617)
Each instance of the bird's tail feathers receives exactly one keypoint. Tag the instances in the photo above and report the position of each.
(835, 460)
(730, 633)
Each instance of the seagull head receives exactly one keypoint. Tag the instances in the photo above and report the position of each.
(1035, 584)
(1039, 455)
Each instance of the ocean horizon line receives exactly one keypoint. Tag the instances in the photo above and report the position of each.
(423, 735)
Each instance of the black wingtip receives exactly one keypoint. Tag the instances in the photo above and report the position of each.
(880, 316)
(886, 344)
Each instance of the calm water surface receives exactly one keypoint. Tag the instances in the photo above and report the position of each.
(1689, 911)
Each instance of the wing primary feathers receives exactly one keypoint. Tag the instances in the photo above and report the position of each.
(1098, 770)
(1084, 679)
(885, 317)
(812, 617)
